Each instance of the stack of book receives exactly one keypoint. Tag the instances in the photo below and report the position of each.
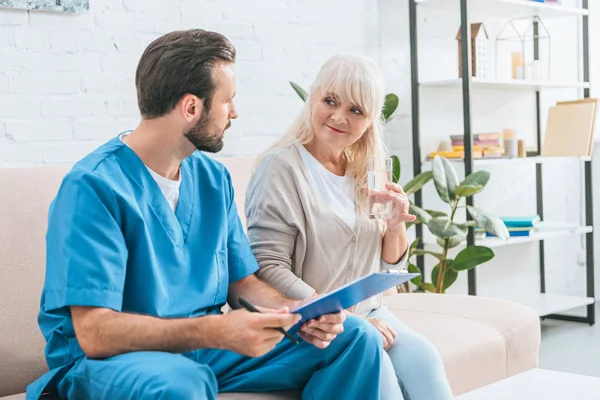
(485, 145)
(520, 226)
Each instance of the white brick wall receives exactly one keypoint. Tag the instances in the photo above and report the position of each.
(67, 80)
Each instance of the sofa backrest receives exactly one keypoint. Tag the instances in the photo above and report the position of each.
(25, 195)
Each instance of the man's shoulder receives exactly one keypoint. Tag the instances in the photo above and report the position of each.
(97, 167)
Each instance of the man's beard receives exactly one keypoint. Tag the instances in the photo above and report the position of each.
(205, 136)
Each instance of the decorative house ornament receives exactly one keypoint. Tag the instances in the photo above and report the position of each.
(47, 5)
(479, 51)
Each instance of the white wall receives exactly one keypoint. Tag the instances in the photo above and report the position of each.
(67, 81)
(67, 85)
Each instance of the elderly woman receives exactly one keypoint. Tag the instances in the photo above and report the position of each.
(308, 225)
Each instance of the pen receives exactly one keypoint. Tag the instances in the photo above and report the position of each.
(244, 303)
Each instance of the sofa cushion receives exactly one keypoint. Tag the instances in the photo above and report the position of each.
(481, 340)
(25, 195)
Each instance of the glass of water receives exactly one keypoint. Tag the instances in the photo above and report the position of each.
(380, 173)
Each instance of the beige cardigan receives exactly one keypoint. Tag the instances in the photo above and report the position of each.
(302, 246)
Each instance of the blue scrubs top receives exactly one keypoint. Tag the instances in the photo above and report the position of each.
(114, 242)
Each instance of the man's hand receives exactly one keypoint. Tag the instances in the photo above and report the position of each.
(321, 331)
(248, 333)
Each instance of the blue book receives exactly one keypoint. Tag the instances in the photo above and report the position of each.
(352, 293)
(520, 222)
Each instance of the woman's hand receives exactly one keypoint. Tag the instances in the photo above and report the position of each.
(388, 333)
(400, 207)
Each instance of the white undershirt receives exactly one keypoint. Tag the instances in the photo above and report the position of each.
(336, 191)
(168, 187)
(338, 194)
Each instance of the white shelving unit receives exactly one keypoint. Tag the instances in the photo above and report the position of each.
(483, 162)
(546, 304)
(543, 303)
(503, 8)
(542, 234)
(512, 84)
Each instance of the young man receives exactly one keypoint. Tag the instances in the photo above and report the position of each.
(144, 247)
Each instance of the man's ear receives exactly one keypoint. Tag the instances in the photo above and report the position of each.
(191, 107)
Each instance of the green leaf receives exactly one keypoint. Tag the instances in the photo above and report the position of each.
(443, 228)
(429, 287)
(471, 257)
(450, 275)
(467, 224)
(454, 241)
(412, 247)
(395, 169)
(413, 269)
(490, 223)
(301, 92)
(415, 184)
(467, 190)
(445, 178)
(434, 213)
(477, 178)
(409, 224)
(420, 252)
(390, 105)
(449, 278)
(421, 214)
(434, 275)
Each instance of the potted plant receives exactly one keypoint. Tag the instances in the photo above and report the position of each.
(448, 232)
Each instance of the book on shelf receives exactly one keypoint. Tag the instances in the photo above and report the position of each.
(485, 145)
(512, 232)
(516, 232)
(480, 143)
(462, 148)
(479, 137)
(454, 154)
(521, 221)
(517, 225)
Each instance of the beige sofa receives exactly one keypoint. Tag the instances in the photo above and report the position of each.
(481, 340)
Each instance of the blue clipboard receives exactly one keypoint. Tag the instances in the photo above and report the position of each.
(351, 294)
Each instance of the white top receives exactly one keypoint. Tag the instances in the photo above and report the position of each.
(338, 194)
(168, 187)
(336, 191)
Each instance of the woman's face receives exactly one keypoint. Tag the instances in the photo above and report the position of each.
(337, 123)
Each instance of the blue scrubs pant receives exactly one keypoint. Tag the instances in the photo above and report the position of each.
(348, 369)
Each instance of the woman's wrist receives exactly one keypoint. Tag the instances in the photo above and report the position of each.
(399, 231)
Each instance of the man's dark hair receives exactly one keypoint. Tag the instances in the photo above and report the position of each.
(176, 64)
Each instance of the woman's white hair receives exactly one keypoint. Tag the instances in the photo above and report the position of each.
(358, 80)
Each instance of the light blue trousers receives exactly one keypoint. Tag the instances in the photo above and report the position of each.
(412, 364)
(348, 369)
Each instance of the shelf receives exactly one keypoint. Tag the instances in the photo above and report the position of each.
(507, 8)
(535, 237)
(545, 304)
(511, 84)
(518, 160)
(545, 233)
